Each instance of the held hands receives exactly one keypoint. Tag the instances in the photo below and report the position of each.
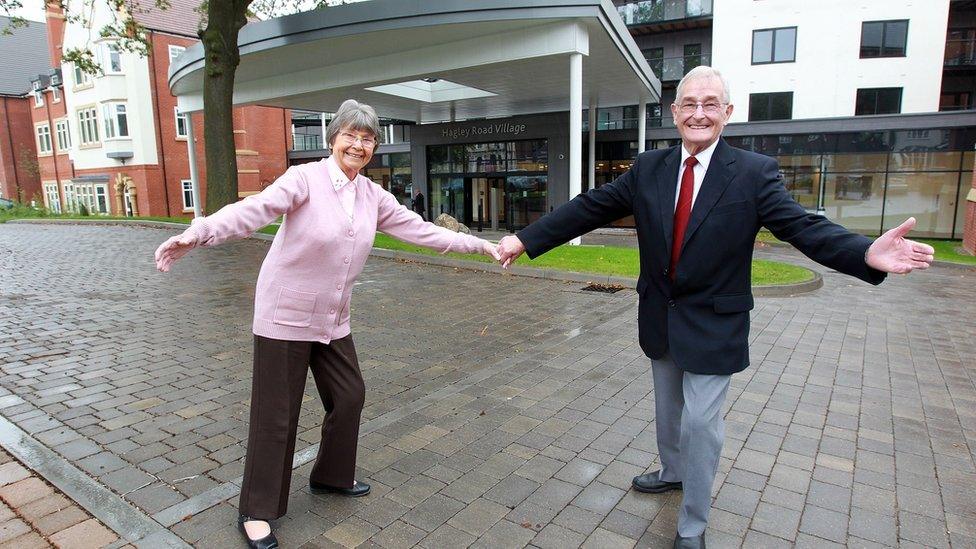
(509, 249)
(893, 253)
(174, 248)
(491, 250)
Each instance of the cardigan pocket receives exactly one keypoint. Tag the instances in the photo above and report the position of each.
(294, 308)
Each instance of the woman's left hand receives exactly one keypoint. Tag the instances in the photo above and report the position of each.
(491, 250)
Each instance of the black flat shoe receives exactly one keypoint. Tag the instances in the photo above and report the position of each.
(359, 489)
(651, 484)
(267, 542)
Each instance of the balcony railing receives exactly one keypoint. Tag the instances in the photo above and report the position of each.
(960, 53)
(656, 11)
(307, 142)
(673, 68)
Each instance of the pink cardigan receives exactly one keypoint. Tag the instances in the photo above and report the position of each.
(306, 280)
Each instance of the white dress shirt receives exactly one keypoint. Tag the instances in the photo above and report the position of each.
(344, 188)
(703, 158)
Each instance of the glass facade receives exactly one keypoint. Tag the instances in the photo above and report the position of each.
(500, 184)
(392, 171)
(867, 181)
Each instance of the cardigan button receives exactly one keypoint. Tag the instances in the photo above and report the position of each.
(331, 311)
(352, 233)
(345, 260)
(339, 287)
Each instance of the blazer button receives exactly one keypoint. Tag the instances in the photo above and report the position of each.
(672, 304)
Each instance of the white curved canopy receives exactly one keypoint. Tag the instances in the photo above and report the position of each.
(416, 60)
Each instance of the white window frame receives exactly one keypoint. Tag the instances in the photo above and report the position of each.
(63, 132)
(174, 52)
(88, 126)
(112, 60)
(82, 78)
(55, 94)
(52, 196)
(181, 120)
(43, 134)
(70, 199)
(92, 196)
(187, 195)
(113, 114)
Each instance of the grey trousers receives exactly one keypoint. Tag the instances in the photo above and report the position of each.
(690, 431)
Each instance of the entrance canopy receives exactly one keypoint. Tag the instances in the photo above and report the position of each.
(434, 61)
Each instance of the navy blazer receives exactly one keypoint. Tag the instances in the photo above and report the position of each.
(703, 316)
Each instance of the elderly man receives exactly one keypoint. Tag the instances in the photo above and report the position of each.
(698, 208)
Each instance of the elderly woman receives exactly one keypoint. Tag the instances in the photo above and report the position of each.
(301, 308)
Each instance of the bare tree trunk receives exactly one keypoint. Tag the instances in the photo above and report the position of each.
(224, 21)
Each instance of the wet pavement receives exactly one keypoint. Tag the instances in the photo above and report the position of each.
(501, 411)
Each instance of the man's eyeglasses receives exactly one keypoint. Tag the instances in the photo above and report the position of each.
(711, 107)
(367, 142)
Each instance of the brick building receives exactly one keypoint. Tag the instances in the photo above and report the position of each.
(114, 143)
(19, 178)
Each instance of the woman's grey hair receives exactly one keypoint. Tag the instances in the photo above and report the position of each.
(703, 71)
(353, 115)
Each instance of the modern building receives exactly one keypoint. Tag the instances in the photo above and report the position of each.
(23, 54)
(485, 98)
(867, 105)
(114, 143)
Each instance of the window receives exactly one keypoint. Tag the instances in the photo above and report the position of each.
(884, 38)
(88, 126)
(115, 120)
(93, 196)
(878, 101)
(44, 139)
(63, 134)
(181, 122)
(187, 194)
(771, 106)
(174, 52)
(52, 199)
(655, 58)
(112, 64)
(693, 57)
(56, 95)
(774, 46)
(38, 94)
(82, 78)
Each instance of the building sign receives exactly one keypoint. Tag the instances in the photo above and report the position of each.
(475, 130)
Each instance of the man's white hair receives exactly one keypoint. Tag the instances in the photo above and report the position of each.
(703, 71)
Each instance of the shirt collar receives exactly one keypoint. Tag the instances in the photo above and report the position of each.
(703, 157)
(338, 177)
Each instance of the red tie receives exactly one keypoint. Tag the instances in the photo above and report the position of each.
(683, 211)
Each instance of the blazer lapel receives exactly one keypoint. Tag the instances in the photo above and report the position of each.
(717, 178)
(666, 188)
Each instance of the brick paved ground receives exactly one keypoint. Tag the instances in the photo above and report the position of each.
(33, 515)
(501, 411)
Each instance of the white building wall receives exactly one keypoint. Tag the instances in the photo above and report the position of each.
(828, 69)
(133, 87)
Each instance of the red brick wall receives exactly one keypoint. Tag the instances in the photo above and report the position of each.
(969, 229)
(56, 166)
(16, 139)
(55, 32)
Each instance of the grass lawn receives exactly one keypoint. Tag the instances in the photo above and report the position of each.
(605, 260)
(945, 250)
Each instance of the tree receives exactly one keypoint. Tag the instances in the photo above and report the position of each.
(218, 31)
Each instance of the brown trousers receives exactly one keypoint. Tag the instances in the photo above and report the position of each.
(280, 370)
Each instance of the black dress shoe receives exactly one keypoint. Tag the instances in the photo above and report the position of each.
(359, 489)
(267, 542)
(651, 484)
(694, 542)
